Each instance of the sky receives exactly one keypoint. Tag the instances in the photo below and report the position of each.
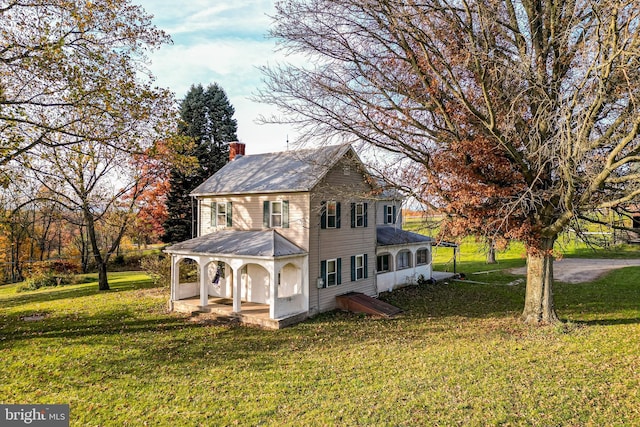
(222, 42)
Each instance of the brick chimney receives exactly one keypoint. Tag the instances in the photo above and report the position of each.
(236, 149)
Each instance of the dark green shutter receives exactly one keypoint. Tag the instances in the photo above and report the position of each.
(339, 271)
(365, 213)
(338, 215)
(384, 210)
(323, 273)
(366, 267)
(394, 214)
(265, 214)
(229, 214)
(323, 214)
(214, 214)
(353, 215)
(285, 214)
(353, 268)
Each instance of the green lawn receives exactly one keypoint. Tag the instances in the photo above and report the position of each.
(457, 356)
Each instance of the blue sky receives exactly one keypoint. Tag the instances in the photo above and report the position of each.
(223, 42)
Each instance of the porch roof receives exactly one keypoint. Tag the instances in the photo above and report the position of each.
(263, 243)
(389, 236)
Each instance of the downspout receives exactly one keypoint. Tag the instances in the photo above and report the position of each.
(193, 219)
(318, 227)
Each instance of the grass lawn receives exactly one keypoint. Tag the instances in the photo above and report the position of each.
(457, 356)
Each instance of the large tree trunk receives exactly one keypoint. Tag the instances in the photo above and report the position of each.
(539, 307)
(103, 283)
(101, 262)
(491, 252)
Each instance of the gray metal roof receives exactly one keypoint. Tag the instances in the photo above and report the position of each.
(389, 236)
(267, 243)
(286, 171)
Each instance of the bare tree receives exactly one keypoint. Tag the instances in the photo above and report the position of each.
(68, 62)
(92, 179)
(518, 117)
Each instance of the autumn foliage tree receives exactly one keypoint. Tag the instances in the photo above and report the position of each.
(517, 117)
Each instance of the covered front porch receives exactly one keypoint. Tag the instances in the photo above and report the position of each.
(257, 277)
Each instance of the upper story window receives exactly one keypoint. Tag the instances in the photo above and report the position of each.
(276, 214)
(359, 215)
(221, 214)
(330, 215)
(389, 212)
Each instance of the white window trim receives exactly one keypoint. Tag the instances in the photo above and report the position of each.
(389, 214)
(427, 253)
(388, 263)
(334, 273)
(335, 214)
(221, 224)
(360, 269)
(272, 214)
(360, 216)
(408, 265)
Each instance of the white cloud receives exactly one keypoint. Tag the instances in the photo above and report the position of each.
(222, 43)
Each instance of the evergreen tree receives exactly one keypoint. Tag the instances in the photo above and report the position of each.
(207, 117)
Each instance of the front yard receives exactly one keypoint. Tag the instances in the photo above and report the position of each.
(457, 356)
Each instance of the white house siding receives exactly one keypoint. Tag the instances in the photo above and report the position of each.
(343, 242)
(247, 214)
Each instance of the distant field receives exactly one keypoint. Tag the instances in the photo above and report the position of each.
(457, 356)
(473, 252)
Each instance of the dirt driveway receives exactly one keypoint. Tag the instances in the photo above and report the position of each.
(574, 270)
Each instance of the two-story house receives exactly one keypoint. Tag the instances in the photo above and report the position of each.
(280, 235)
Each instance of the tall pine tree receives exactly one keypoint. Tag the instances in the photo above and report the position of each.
(207, 117)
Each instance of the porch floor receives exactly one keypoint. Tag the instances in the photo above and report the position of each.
(251, 313)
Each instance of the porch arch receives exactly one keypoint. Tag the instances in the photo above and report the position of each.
(219, 278)
(255, 283)
(186, 272)
(289, 280)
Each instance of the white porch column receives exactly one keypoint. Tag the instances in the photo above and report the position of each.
(273, 288)
(237, 292)
(204, 295)
(174, 278)
(305, 283)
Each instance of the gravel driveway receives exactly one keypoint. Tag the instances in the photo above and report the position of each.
(578, 270)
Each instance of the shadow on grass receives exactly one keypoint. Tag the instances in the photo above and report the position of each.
(457, 298)
(69, 291)
(68, 327)
(167, 340)
(615, 296)
(608, 322)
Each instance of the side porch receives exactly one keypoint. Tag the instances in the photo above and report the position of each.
(402, 258)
